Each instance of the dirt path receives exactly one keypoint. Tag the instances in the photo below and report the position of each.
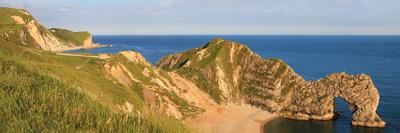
(89, 56)
(231, 119)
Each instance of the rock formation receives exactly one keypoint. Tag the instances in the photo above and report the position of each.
(166, 92)
(315, 100)
(220, 72)
(20, 27)
(230, 72)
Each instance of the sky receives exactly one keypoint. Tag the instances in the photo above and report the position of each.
(161, 17)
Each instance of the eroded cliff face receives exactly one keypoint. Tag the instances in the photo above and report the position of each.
(88, 42)
(166, 92)
(315, 100)
(230, 73)
(19, 26)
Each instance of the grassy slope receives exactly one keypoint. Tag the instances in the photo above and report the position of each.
(215, 55)
(43, 91)
(7, 23)
(11, 31)
(76, 38)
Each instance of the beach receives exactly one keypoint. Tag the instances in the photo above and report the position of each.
(231, 119)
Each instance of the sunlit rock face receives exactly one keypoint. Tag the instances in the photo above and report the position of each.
(316, 99)
(20, 27)
(226, 71)
(230, 72)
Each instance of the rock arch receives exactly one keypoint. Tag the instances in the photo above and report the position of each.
(342, 105)
(315, 100)
(360, 94)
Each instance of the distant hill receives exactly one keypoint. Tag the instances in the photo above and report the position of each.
(20, 27)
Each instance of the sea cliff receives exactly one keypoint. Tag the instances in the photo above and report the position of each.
(230, 72)
(220, 78)
(20, 27)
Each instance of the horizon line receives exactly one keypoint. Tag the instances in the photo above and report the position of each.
(246, 34)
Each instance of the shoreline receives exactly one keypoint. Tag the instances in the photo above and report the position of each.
(94, 46)
(231, 119)
(262, 125)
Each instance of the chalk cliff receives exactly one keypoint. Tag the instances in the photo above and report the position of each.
(230, 72)
(20, 27)
(189, 83)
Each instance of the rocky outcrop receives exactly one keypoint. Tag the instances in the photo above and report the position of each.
(19, 26)
(166, 92)
(230, 72)
(43, 39)
(88, 42)
(316, 99)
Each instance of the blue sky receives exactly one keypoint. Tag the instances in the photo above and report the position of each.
(217, 16)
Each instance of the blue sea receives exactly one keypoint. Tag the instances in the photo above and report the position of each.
(313, 57)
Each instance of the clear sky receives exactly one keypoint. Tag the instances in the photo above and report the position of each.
(217, 16)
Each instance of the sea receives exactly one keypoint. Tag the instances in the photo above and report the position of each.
(312, 56)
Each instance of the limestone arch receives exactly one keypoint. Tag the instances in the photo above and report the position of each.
(360, 95)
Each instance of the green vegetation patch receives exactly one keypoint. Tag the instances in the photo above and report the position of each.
(77, 38)
(45, 92)
(33, 102)
(186, 108)
(7, 23)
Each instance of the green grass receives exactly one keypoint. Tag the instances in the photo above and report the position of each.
(214, 55)
(219, 55)
(76, 38)
(135, 68)
(12, 32)
(45, 92)
(186, 109)
(7, 23)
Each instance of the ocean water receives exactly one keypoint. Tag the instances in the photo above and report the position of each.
(313, 57)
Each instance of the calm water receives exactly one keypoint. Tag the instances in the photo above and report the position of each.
(312, 57)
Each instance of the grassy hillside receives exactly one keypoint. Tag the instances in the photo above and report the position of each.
(42, 91)
(64, 35)
(7, 23)
(11, 31)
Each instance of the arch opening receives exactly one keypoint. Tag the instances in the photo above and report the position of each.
(343, 111)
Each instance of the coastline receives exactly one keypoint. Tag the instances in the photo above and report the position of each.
(266, 122)
(231, 119)
(93, 46)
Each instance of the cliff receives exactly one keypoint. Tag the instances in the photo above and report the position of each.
(123, 89)
(20, 27)
(48, 92)
(230, 72)
(167, 92)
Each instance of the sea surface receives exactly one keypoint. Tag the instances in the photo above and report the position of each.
(313, 57)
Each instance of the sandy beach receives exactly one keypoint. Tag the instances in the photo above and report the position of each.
(231, 119)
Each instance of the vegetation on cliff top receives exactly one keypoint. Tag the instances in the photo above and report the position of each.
(7, 23)
(70, 36)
